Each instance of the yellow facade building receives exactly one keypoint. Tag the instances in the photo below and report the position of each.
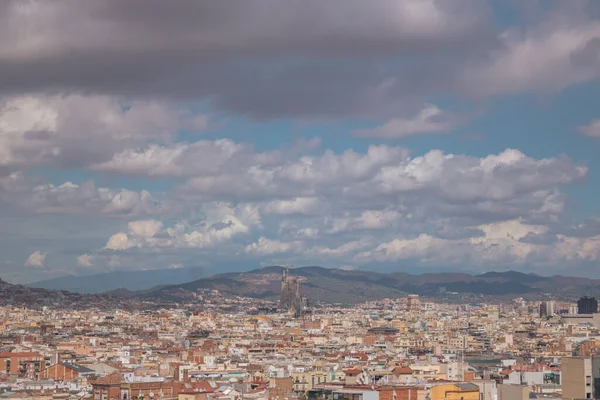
(455, 391)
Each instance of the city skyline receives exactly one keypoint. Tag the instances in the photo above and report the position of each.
(418, 136)
(212, 346)
(299, 200)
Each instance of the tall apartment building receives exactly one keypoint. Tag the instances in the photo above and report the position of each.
(493, 312)
(576, 378)
(587, 305)
(596, 376)
(546, 309)
(22, 364)
(413, 303)
(572, 310)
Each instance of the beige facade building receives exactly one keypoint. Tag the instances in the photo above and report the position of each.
(576, 378)
(513, 392)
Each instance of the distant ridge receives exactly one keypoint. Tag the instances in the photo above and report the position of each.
(115, 280)
(327, 285)
(342, 286)
(19, 295)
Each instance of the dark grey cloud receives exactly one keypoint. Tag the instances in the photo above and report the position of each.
(273, 59)
(586, 228)
(452, 231)
(540, 239)
(266, 58)
(589, 55)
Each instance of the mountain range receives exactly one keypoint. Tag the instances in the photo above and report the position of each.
(116, 280)
(19, 295)
(348, 287)
(330, 285)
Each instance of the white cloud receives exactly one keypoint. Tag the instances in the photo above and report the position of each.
(297, 206)
(327, 206)
(222, 223)
(501, 243)
(120, 241)
(76, 130)
(343, 197)
(290, 228)
(346, 167)
(592, 129)
(430, 120)
(264, 246)
(551, 55)
(181, 159)
(85, 260)
(303, 177)
(576, 249)
(310, 233)
(87, 198)
(463, 178)
(343, 250)
(145, 228)
(37, 259)
(331, 182)
(367, 220)
(210, 235)
(422, 246)
(153, 161)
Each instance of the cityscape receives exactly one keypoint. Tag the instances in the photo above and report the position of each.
(299, 199)
(220, 346)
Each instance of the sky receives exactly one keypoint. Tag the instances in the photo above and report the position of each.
(388, 135)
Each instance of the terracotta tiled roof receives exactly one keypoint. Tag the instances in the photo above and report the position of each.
(402, 370)
(112, 379)
(19, 354)
(352, 371)
(203, 386)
